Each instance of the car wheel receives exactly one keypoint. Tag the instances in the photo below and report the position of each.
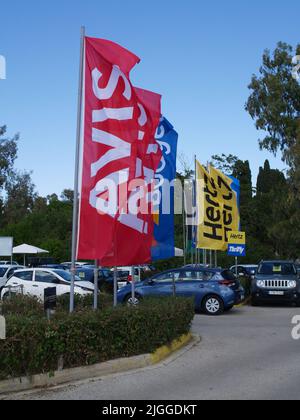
(129, 301)
(7, 296)
(213, 305)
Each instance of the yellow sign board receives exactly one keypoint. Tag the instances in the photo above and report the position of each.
(237, 238)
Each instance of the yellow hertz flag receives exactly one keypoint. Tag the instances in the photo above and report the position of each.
(218, 212)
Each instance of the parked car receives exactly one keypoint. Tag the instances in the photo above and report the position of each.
(8, 263)
(246, 274)
(276, 281)
(245, 270)
(215, 291)
(105, 277)
(34, 281)
(77, 264)
(126, 275)
(55, 267)
(6, 271)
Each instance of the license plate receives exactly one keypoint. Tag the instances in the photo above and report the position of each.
(276, 293)
(121, 284)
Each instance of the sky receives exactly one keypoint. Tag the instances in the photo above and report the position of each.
(200, 55)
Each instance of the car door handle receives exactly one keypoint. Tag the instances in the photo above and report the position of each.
(35, 285)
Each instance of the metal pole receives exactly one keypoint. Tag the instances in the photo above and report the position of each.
(195, 204)
(115, 286)
(236, 266)
(76, 181)
(132, 285)
(174, 286)
(183, 228)
(96, 278)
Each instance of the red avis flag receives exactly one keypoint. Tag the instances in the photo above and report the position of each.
(119, 159)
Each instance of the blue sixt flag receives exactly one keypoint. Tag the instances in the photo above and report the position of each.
(163, 241)
(236, 187)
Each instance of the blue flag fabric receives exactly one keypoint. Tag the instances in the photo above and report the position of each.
(236, 187)
(164, 242)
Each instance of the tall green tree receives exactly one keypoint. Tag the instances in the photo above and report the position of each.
(20, 196)
(274, 102)
(8, 155)
(274, 105)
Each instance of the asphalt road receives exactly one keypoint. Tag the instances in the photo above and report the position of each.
(246, 354)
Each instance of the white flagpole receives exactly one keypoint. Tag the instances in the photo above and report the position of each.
(132, 285)
(96, 278)
(115, 286)
(184, 226)
(196, 202)
(76, 181)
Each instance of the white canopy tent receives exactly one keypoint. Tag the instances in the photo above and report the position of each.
(28, 250)
(179, 252)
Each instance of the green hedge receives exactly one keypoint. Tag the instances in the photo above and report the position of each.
(35, 345)
(30, 306)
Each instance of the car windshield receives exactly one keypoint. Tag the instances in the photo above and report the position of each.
(284, 269)
(66, 275)
(2, 271)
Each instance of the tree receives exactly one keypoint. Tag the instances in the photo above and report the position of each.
(20, 197)
(274, 102)
(67, 195)
(224, 163)
(8, 155)
(268, 179)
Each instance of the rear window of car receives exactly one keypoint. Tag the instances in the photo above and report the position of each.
(228, 275)
(284, 269)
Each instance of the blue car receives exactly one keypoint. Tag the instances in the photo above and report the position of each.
(214, 290)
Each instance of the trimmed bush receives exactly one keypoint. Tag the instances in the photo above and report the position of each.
(35, 345)
(24, 305)
(84, 302)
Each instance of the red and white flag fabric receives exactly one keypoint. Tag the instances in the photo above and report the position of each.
(119, 158)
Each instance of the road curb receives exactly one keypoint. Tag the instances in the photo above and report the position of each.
(245, 303)
(16, 385)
